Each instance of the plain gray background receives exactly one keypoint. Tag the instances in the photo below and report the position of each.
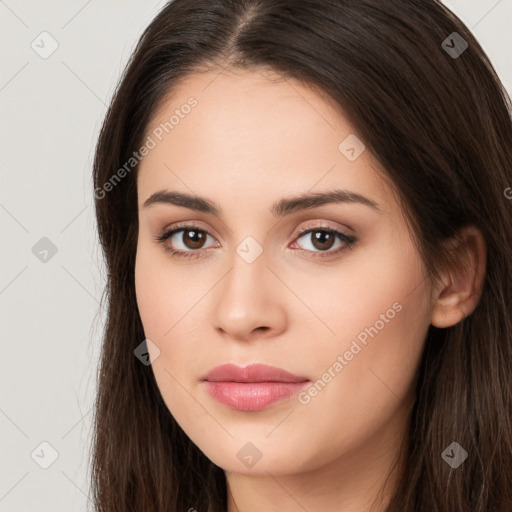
(51, 111)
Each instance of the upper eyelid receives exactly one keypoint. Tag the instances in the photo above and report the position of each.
(193, 224)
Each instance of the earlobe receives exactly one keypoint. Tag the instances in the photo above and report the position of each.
(459, 292)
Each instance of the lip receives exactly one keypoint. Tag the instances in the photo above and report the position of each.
(252, 387)
(251, 373)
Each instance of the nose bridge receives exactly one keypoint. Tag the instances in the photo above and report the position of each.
(250, 250)
(251, 247)
(246, 300)
(248, 268)
(248, 239)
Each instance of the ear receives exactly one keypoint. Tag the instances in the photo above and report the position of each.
(459, 291)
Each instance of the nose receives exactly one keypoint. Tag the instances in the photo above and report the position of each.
(249, 302)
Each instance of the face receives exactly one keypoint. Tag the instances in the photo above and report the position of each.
(332, 291)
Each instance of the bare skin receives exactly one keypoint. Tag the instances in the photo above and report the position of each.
(249, 142)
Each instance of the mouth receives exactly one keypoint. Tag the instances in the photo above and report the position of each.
(253, 387)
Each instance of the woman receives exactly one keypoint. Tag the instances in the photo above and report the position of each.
(304, 212)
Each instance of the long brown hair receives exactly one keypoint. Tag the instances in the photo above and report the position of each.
(438, 119)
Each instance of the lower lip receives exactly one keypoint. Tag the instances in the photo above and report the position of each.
(251, 396)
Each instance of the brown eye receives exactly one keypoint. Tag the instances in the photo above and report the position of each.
(193, 238)
(187, 240)
(322, 240)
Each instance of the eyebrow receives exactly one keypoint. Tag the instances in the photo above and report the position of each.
(280, 208)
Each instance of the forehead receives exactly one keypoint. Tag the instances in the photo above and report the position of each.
(253, 133)
(257, 104)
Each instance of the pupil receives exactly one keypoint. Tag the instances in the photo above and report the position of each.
(196, 238)
(324, 238)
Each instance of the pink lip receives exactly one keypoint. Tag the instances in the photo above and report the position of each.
(253, 387)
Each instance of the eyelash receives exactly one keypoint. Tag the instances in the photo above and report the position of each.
(348, 240)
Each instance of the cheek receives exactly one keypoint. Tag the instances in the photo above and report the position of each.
(168, 301)
(376, 293)
(158, 295)
(366, 371)
(373, 382)
(161, 305)
(387, 315)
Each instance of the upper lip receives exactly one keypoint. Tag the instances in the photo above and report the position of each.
(251, 373)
